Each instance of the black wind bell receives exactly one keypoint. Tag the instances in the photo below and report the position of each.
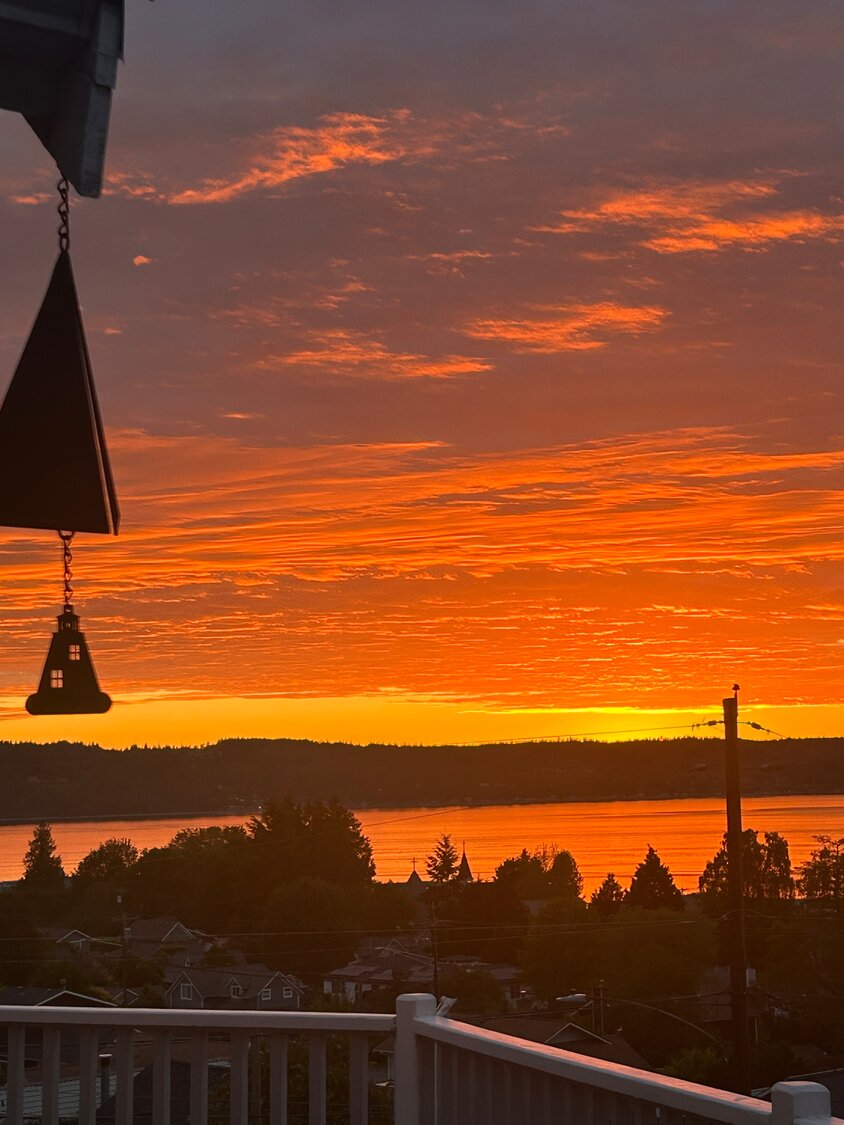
(54, 468)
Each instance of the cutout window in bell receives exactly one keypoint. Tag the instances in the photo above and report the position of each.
(74, 652)
(56, 677)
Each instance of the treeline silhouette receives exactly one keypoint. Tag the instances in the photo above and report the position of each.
(71, 780)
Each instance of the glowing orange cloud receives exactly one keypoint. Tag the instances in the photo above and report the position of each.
(354, 353)
(679, 218)
(574, 328)
(292, 153)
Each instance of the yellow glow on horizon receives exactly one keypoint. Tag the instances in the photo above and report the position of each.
(386, 718)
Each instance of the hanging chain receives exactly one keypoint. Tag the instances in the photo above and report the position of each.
(67, 558)
(64, 213)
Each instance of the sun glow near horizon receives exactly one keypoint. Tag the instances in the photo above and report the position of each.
(401, 721)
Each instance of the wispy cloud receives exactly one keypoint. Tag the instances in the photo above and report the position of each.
(274, 159)
(571, 328)
(683, 217)
(343, 351)
(294, 153)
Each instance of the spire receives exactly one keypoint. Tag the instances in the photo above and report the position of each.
(464, 871)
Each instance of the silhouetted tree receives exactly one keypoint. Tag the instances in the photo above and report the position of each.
(476, 993)
(822, 875)
(526, 874)
(561, 952)
(648, 952)
(309, 926)
(21, 952)
(318, 839)
(607, 899)
(443, 863)
(564, 877)
(110, 862)
(653, 885)
(705, 1065)
(204, 875)
(42, 866)
(486, 920)
(766, 871)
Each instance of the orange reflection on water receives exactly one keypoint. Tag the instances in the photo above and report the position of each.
(602, 836)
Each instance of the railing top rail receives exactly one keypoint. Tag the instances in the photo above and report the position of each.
(199, 1019)
(673, 1093)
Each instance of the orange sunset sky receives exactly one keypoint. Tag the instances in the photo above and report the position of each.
(471, 370)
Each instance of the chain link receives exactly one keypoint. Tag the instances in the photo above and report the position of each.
(64, 213)
(67, 558)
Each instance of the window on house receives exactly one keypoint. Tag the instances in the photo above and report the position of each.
(266, 994)
(287, 993)
(235, 991)
(74, 652)
(56, 677)
(186, 992)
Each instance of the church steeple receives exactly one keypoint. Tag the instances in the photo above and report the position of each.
(464, 871)
(414, 882)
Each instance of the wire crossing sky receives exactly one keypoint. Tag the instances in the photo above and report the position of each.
(471, 370)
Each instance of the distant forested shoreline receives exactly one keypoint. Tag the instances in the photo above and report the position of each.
(75, 781)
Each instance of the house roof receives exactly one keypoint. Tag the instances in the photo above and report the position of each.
(415, 883)
(30, 996)
(159, 930)
(59, 934)
(252, 979)
(68, 1098)
(180, 1091)
(392, 962)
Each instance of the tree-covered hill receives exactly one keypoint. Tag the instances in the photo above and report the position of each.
(72, 780)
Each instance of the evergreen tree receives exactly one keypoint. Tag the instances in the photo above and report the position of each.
(653, 885)
(42, 867)
(606, 900)
(564, 876)
(443, 863)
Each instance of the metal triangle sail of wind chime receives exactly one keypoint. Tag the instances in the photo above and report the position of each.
(54, 468)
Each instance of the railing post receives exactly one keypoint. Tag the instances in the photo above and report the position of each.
(804, 1102)
(406, 1055)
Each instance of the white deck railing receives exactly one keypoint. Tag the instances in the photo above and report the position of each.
(450, 1073)
(446, 1073)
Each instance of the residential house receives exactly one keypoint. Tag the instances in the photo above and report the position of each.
(150, 937)
(31, 996)
(142, 1093)
(397, 966)
(75, 940)
(61, 997)
(247, 987)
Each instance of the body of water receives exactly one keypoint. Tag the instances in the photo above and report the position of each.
(603, 836)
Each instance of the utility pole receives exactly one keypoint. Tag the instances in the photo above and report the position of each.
(735, 886)
(598, 1008)
(435, 950)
